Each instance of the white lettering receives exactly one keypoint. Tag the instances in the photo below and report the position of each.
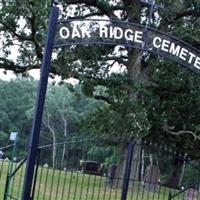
(118, 33)
(138, 36)
(175, 50)
(183, 54)
(85, 33)
(192, 56)
(197, 63)
(103, 32)
(165, 45)
(157, 42)
(64, 32)
(75, 32)
(112, 33)
(128, 35)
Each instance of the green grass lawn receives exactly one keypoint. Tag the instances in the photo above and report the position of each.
(60, 185)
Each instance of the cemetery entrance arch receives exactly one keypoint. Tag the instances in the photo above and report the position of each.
(102, 32)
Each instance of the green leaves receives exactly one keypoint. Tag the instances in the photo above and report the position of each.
(17, 97)
(123, 119)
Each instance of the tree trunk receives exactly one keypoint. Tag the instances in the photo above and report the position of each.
(175, 175)
(64, 119)
(52, 130)
(64, 146)
(135, 76)
(135, 164)
(121, 165)
(54, 149)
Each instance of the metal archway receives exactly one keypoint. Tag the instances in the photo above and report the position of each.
(112, 32)
(134, 36)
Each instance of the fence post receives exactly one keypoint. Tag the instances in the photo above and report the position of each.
(10, 170)
(36, 173)
(170, 196)
(41, 94)
(127, 170)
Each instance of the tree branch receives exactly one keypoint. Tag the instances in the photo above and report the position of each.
(10, 65)
(103, 98)
(107, 11)
(34, 37)
(169, 129)
(120, 60)
(184, 13)
(88, 15)
(14, 33)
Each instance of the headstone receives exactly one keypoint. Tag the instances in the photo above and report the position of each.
(46, 165)
(1, 154)
(81, 165)
(111, 173)
(101, 169)
(191, 194)
(152, 178)
(6, 159)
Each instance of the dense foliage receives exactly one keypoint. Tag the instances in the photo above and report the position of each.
(64, 110)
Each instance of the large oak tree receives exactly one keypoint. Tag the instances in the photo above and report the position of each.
(150, 97)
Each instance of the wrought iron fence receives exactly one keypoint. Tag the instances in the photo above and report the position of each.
(97, 170)
(91, 170)
(12, 170)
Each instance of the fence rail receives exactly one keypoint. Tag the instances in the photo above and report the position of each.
(93, 170)
(16, 179)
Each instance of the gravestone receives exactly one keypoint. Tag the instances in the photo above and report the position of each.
(152, 178)
(191, 194)
(1, 154)
(111, 173)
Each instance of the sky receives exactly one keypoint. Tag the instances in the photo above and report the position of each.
(10, 75)
(36, 75)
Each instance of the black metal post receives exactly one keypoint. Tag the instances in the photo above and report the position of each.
(127, 171)
(42, 87)
(152, 6)
(6, 188)
(170, 196)
(36, 173)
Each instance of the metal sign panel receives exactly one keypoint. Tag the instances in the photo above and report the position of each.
(108, 32)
